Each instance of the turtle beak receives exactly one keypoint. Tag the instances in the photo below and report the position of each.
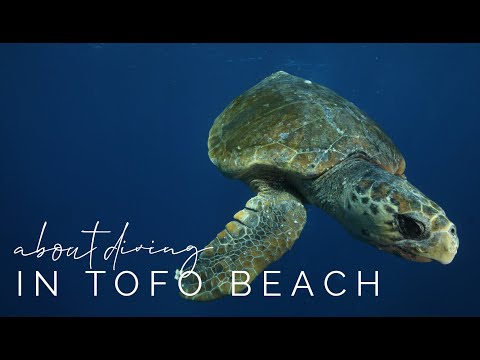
(443, 248)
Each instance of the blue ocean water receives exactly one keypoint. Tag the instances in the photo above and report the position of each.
(118, 133)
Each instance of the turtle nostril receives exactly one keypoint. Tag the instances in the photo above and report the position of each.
(452, 230)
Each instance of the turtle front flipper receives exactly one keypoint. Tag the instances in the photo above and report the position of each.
(259, 236)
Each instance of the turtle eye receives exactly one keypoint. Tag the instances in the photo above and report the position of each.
(409, 227)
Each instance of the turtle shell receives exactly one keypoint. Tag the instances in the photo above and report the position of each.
(293, 125)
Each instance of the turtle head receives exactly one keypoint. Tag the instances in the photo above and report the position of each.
(388, 212)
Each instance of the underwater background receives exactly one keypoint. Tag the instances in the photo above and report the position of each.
(118, 133)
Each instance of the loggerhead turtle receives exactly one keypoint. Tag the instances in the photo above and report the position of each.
(295, 142)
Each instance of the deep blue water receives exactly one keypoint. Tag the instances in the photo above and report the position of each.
(118, 132)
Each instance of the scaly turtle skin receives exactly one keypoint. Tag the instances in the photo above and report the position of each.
(295, 142)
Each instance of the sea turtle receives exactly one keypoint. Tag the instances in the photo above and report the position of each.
(295, 142)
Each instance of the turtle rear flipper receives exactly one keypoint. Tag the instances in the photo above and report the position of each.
(260, 235)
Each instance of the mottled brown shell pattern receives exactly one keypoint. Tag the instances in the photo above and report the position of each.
(298, 127)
